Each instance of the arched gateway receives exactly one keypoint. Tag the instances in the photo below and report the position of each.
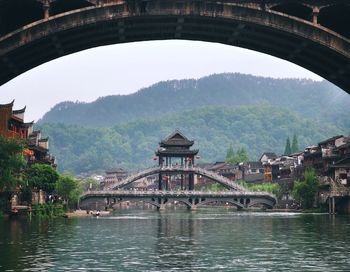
(177, 167)
(311, 33)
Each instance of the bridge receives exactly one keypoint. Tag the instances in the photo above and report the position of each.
(191, 199)
(237, 195)
(311, 33)
(180, 170)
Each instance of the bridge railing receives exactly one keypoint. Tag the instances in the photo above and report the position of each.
(171, 168)
(155, 193)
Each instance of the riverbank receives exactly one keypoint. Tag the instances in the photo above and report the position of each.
(85, 213)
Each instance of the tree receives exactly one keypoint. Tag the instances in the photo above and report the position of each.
(89, 184)
(242, 155)
(42, 176)
(304, 191)
(287, 149)
(68, 188)
(11, 163)
(230, 152)
(295, 147)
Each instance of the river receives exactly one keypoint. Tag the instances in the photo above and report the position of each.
(208, 239)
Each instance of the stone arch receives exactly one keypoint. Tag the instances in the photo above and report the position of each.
(315, 48)
(336, 18)
(149, 201)
(263, 202)
(61, 6)
(294, 9)
(232, 202)
(17, 13)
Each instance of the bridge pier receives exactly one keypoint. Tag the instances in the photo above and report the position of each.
(331, 205)
(46, 7)
(315, 13)
(161, 207)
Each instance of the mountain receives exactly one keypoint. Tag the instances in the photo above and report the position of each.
(320, 100)
(258, 128)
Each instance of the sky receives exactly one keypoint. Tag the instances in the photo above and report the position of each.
(126, 68)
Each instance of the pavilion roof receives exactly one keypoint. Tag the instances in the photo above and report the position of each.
(176, 139)
(178, 152)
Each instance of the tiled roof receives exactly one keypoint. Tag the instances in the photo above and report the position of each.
(19, 111)
(8, 104)
(344, 163)
(330, 139)
(177, 139)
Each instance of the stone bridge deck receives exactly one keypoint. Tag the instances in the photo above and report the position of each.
(190, 198)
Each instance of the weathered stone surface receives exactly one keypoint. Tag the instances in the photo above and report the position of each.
(291, 30)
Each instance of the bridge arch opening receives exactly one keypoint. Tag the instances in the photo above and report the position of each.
(18, 13)
(336, 18)
(294, 9)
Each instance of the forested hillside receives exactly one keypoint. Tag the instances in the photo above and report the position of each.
(320, 100)
(132, 144)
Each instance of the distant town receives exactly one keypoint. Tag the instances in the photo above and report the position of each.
(329, 159)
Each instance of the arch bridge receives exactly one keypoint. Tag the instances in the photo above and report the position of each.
(179, 170)
(311, 33)
(237, 195)
(191, 199)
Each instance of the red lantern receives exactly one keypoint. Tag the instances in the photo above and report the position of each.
(155, 158)
(198, 157)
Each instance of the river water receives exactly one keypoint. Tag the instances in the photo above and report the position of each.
(211, 239)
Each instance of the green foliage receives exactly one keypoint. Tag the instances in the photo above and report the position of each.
(273, 188)
(305, 190)
(42, 176)
(88, 184)
(230, 152)
(287, 149)
(212, 187)
(68, 188)
(233, 158)
(131, 145)
(295, 146)
(47, 210)
(311, 99)
(11, 163)
(26, 195)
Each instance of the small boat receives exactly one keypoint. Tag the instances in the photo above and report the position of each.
(95, 213)
(100, 213)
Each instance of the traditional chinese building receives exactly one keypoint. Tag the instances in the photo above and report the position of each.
(227, 170)
(12, 125)
(113, 176)
(175, 151)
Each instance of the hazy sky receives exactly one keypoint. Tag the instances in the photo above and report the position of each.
(125, 68)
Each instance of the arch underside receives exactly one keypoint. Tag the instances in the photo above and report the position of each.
(189, 202)
(314, 48)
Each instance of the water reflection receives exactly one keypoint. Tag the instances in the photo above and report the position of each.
(176, 245)
(181, 240)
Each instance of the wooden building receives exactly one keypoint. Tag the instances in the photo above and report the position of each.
(113, 176)
(175, 151)
(12, 125)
